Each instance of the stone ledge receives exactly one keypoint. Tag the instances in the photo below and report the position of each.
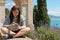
(26, 38)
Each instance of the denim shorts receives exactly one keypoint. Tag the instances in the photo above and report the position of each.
(16, 31)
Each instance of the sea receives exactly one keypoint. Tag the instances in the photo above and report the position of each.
(55, 23)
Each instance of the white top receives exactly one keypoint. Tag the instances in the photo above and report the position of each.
(22, 24)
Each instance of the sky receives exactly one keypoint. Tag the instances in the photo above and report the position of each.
(53, 6)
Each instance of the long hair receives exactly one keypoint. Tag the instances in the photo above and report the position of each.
(11, 14)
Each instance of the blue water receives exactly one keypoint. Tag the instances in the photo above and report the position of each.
(53, 22)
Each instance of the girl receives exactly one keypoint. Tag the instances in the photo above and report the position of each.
(15, 24)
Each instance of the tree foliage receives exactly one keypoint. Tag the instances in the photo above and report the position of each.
(42, 7)
(41, 13)
(6, 12)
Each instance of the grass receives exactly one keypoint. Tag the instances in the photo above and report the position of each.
(44, 34)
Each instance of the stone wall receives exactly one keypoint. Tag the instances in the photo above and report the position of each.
(27, 9)
(2, 12)
(30, 12)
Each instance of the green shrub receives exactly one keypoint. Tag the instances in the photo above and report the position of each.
(30, 34)
(45, 34)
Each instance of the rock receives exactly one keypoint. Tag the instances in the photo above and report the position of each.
(26, 38)
(2, 38)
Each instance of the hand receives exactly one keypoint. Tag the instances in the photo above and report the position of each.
(12, 26)
(19, 27)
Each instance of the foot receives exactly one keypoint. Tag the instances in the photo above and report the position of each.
(9, 36)
(12, 33)
(23, 36)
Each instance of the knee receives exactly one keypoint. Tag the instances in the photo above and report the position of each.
(4, 30)
(28, 29)
(1, 30)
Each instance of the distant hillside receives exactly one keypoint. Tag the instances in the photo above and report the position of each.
(54, 17)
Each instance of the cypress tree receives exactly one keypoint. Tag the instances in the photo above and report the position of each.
(42, 12)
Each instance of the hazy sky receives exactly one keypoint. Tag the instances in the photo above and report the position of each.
(53, 6)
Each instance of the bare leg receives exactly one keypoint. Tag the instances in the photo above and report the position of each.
(6, 31)
(22, 32)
